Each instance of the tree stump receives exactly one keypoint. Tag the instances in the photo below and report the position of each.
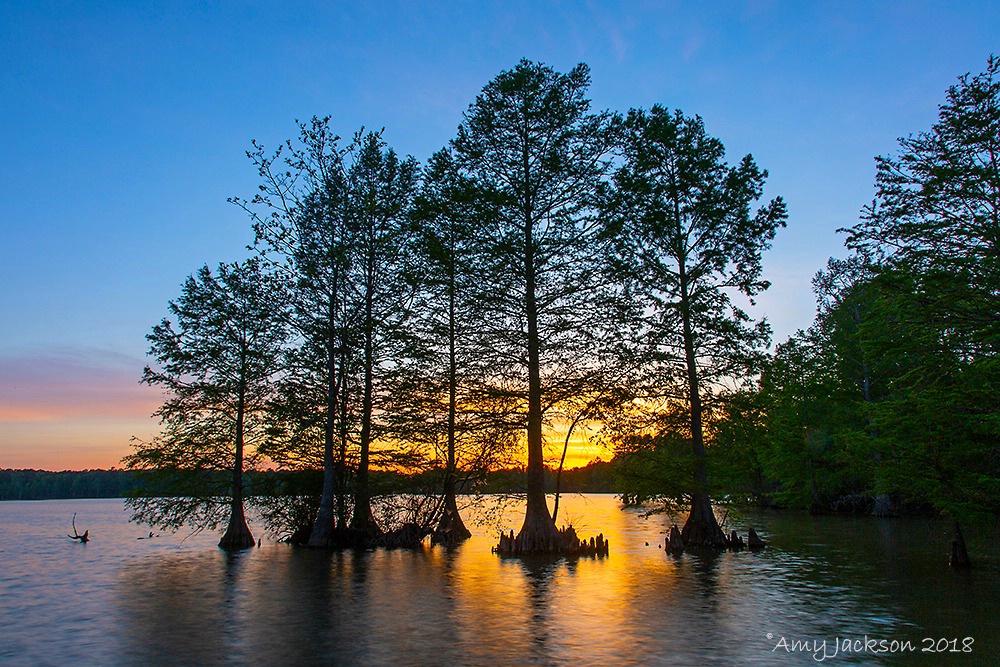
(77, 536)
(675, 543)
(735, 541)
(959, 554)
(754, 541)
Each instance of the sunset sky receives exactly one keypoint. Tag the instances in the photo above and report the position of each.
(123, 128)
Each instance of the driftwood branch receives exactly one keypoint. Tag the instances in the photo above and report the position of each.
(77, 536)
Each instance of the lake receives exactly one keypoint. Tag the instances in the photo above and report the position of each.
(176, 599)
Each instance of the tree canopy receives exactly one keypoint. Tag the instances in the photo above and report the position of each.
(554, 270)
(689, 237)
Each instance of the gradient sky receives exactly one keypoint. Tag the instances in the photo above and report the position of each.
(123, 128)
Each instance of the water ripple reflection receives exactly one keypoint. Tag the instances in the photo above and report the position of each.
(119, 600)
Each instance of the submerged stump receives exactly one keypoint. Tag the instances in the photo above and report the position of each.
(77, 536)
(959, 554)
(566, 542)
(675, 544)
(735, 541)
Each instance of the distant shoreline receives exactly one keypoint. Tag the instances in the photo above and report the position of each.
(30, 484)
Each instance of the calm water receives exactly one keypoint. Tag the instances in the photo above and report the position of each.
(170, 600)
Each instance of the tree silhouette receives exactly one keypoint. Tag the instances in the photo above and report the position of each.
(689, 237)
(537, 159)
(381, 188)
(215, 361)
(302, 220)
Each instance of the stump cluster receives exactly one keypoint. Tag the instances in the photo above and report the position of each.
(567, 543)
(675, 541)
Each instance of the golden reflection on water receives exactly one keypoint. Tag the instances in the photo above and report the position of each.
(429, 606)
(175, 602)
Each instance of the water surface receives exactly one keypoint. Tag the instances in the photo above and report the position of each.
(177, 599)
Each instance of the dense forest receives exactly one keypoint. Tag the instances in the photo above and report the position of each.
(27, 484)
(45, 485)
(401, 331)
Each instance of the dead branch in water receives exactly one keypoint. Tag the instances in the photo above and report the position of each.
(77, 536)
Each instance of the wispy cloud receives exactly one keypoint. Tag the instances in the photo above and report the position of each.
(71, 408)
(67, 384)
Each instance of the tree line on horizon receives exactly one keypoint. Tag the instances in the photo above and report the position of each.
(33, 484)
(554, 270)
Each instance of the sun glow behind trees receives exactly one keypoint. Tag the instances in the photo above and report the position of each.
(557, 277)
(531, 271)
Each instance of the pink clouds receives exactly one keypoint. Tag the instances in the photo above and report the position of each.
(71, 408)
(69, 385)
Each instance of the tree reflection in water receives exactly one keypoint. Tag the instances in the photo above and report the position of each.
(465, 605)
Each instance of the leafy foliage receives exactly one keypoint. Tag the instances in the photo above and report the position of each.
(688, 239)
(215, 363)
(899, 375)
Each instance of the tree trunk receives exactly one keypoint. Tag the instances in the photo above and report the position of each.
(363, 519)
(562, 462)
(344, 432)
(538, 533)
(451, 529)
(701, 528)
(323, 528)
(237, 535)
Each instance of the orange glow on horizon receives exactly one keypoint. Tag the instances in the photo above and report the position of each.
(71, 411)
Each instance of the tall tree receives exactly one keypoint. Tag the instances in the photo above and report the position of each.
(537, 158)
(936, 212)
(450, 404)
(216, 362)
(336, 219)
(690, 237)
(450, 313)
(381, 189)
(934, 227)
(303, 223)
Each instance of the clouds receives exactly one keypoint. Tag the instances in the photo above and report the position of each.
(68, 384)
(71, 408)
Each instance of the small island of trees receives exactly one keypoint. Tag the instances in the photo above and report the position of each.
(402, 331)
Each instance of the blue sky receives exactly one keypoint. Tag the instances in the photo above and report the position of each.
(123, 128)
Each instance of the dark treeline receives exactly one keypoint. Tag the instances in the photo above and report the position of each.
(45, 485)
(596, 477)
(402, 331)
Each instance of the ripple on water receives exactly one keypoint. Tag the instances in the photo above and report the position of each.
(177, 600)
